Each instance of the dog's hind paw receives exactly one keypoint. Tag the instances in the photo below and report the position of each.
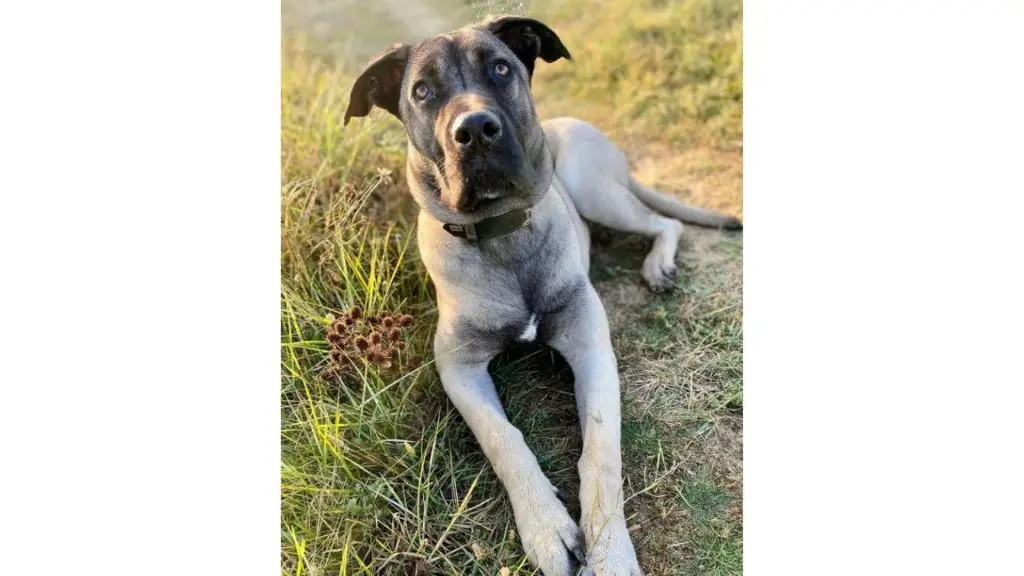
(660, 275)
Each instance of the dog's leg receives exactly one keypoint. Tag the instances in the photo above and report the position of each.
(580, 334)
(613, 205)
(550, 537)
(596, 176)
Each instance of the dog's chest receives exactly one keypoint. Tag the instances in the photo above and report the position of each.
(513, 307)
(529, 333)
(522, 312)
(508, 290)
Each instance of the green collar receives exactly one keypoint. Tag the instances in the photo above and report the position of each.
(490, 227)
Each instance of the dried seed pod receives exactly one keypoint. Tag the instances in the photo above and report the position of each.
(334, 338)
(373, 356)
(337, 355)
(356, 312)
(385, 315)
(362, 343)
(329, 374)
(388, 322)
(375, 337)
(394, 334)
(371, 319)
(386, 353)
(405, 320)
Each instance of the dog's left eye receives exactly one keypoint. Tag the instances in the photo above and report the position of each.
(420, 91)
(501, 69)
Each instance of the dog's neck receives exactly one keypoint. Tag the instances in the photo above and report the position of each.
(508, 250)
(492, 226)
(488, 228)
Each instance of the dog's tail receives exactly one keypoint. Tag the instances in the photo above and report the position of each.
(675, 209)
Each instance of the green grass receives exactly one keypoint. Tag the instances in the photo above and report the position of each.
(710, 509)
(670, 68)
(379, 475)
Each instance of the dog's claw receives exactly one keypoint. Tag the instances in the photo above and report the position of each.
(577, 551)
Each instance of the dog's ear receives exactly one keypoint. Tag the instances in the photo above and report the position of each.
(380, 84)
(529, 39)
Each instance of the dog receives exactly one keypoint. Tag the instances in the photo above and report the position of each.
(503, 198)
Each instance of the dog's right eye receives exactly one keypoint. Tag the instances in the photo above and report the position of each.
(421, 91)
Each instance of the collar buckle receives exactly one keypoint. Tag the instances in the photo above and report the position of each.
(494, 227)
(467, 231)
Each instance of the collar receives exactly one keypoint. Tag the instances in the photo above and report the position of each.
(490, 227)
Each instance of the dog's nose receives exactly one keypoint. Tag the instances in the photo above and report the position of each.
(471, 129)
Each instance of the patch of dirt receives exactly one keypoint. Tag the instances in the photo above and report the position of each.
(680, 354)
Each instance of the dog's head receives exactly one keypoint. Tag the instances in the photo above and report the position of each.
(476, 148)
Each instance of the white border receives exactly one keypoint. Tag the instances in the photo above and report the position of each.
(141, 243)
(140, 250)
(882, 287)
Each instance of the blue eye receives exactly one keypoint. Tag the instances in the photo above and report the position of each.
(420, 91)
(501, 69)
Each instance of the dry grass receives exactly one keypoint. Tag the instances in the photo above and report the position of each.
(379, 474)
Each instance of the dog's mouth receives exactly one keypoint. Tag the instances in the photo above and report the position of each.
(476, 182)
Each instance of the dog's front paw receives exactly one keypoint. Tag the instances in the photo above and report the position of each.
(612, 553)
(551, 539)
